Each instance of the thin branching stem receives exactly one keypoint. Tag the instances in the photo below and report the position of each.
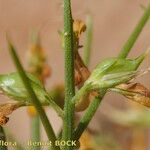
(133, 37)
(69, 74)
(59, 111)
(35, 100)
(88, 40)
(81, 93)
(89, 113)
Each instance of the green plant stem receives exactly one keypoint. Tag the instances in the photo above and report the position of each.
(35, 101)
(54, 105)
(78, 96)
(133, 37)
(35, 131)
(57, 108)
(89, 113)
(69, 74)
(2, 138)
(95, 103)
(88, 40)
(59, 111)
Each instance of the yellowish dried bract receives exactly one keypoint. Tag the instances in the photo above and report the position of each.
(3, 120)
(78, 27)
(136, 92)
(7, 109)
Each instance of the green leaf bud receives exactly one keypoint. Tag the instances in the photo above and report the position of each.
(12, 86)
(114, 71)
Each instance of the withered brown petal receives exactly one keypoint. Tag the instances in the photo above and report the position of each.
(3, 120)
(135, 87)
(8, 108)
(78, 27)
(136, 92)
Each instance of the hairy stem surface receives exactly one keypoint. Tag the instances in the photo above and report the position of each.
(69, 74)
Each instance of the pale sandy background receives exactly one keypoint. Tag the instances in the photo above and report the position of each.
(113, 22)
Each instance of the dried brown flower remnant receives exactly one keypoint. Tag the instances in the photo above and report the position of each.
(46, 71)
(3, 120)
(37, 62)
(81, 75)
(81, 71)
(78, 27)
(87, 141)
(7, 109)
(78, 78)
(86, 101)
(136, 92)
(135, 87)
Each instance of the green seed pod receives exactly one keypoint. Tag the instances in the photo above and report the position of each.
(110, 73)
(114, 71)
(12, 86)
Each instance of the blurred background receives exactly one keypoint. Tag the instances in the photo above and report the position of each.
(113, 21)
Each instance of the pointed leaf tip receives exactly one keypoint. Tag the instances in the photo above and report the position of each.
(10, 45)
(140, 59)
